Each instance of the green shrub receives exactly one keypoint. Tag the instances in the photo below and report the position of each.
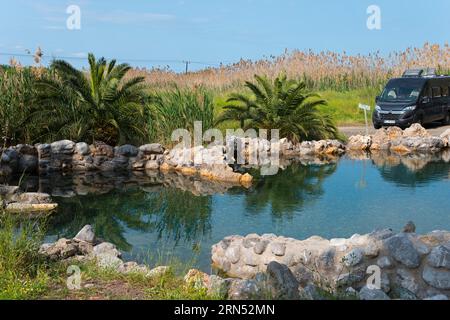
(283, 104)
(177, 108)
(23, 271)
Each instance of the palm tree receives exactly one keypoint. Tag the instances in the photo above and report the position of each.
(98, 105)
(282, 104)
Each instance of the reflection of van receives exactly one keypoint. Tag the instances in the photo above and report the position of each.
(418, 97)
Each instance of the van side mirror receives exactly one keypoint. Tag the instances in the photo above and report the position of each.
(425, 100)
(377, 98)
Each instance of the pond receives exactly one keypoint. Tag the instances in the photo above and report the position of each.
(181, 218)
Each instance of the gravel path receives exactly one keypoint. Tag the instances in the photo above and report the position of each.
(435, 130)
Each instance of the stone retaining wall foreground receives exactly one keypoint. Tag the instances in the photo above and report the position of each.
(410, 266)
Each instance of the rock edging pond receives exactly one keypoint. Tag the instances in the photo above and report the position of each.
(411, 266)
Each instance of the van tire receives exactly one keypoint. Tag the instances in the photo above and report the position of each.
(419, 120)
(377, 126)
(446, 120)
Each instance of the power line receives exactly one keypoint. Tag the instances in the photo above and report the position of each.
(183, 62)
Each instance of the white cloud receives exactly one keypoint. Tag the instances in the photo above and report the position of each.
(79, 54)
(53, 27)
(130, 17)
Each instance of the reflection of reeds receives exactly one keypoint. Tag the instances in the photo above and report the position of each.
(324, 70)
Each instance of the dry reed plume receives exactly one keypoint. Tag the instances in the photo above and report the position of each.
(324, 70)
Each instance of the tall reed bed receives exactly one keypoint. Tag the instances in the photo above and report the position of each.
(16, 94)
(321, 71)
(177, 108)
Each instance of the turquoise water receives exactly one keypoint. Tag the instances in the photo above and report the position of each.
(332, 200)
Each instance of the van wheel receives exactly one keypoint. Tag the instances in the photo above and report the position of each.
(377, 126)
(446, 120)
(419, 120)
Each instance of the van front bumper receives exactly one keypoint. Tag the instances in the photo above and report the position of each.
(399, 119)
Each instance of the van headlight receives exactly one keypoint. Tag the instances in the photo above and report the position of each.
(410, 108)
(377, 108)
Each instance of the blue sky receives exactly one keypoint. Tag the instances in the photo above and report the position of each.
(214, 31)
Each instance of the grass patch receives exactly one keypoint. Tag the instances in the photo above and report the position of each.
(343, 106)
(24, 274)
(107, 284)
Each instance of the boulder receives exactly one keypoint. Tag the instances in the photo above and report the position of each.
(385, 262)
(106, 248)
(62, 146)
(108, 261)
(406, 280)
(410, 227)
(101, 149)
(281, 282)
(61, 249)
(28, 163)
(32, 198)
(440, 256)
(86, 234)
(416, 130)
(353, 258)
(380, 140)
(82, 148)
(403, 250)
(8, 190)
(278, 248)
(196, 279)
(127, 150)
(244, 290)
(218, 287)
(158, 271)
(152, 165)
(367, 293)
(445, 136)
(359, 142)
(437, 278)
(152, 148)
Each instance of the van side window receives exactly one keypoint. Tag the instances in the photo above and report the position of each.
(436, 92)
(445, 91)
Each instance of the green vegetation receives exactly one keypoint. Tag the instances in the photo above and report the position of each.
(99, 106)
(117, 104)
(25, 274)
(342, 106)
(283, 104)
(16, 92)
(109, 103)
(176, 108)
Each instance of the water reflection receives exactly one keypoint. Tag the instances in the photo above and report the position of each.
(289, 190)
(409, 170)
(171, 213)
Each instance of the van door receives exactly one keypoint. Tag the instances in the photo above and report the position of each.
(427, 105)
(438, 103)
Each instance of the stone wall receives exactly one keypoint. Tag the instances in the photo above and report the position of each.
(412, 266)
(411, 140)
(68, 156)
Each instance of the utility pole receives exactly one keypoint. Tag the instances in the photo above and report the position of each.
(187, 66)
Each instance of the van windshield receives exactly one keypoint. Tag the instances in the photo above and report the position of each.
(402, 90)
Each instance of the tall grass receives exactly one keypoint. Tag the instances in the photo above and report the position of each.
(23, 272)
(176, 108)
(16, 94)
(320, 71)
